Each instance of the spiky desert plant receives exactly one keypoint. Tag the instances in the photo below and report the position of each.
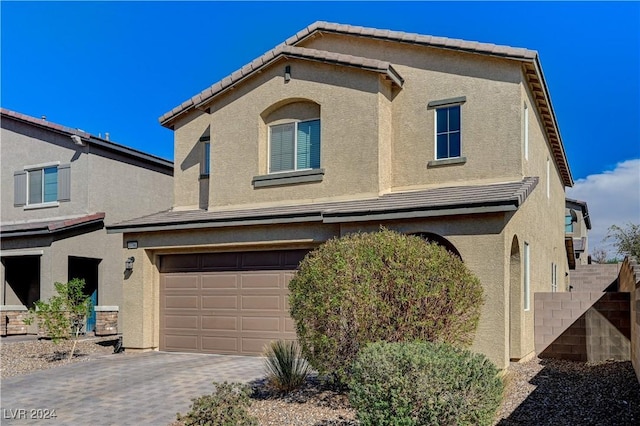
(285, 367)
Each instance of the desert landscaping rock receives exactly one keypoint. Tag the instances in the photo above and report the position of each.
(540, 392)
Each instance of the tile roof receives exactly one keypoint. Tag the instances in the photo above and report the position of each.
(412, 38)
(281, 51)
(428, 202)
(49, 226)
(86, 137)
(529, 58)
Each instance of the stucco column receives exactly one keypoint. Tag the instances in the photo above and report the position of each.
(140, 302)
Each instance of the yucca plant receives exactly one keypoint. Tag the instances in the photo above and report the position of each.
(285, 367)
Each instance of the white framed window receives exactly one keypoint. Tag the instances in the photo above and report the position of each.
(525, 126)
(42, 185)
(554, 277)
(294, 146)
(548, 178)
(527, 277)
(448, 132)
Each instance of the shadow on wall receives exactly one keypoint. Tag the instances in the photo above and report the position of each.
(570, 393)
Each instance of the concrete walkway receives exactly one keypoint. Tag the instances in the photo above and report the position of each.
(120, 389)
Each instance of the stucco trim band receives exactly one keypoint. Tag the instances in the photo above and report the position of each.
(446, 102)
(106, 308)
(290, 178)
(446, 162)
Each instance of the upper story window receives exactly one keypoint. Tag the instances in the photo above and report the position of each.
(206, 158)
(448, 132)
(42, 185)
(568, 224)
(294, 146)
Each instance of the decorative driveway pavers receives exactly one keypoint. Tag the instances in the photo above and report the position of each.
(120, 389)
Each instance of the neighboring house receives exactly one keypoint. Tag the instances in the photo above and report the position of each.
(59, 188)
(344, 129)
(577, 224)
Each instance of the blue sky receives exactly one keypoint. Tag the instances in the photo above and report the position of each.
(117, 66)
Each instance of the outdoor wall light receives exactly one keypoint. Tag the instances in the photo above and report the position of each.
(287, 73)
(128, 264)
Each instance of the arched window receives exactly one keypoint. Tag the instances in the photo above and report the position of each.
(294, 138)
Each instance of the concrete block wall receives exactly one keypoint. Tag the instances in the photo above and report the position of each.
(601, 332)
(629, 280)
(594, 277)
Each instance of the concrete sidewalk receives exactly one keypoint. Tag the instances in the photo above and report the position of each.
(120, 389)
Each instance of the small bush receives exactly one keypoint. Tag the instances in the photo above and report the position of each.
(286, 369)
(380, 286)
(423, 383)
(226, 406)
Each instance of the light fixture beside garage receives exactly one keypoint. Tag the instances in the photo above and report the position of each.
(287, 73)
(128, 264)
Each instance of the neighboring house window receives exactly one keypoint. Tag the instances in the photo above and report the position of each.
(206, 159)
(568, 224)
(448, 132)
(527, 278)
(42, 185)
(294, 146)
(526, 131)
(554, 277)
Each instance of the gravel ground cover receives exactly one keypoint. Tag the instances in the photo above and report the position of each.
(538, 392)
(29, 355)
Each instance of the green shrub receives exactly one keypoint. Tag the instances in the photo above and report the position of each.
(423, 383)
(381, 286)
(286, 369)
(226, 406)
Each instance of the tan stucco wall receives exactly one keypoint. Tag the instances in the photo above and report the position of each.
(540, 223)
(490, 126)
(474, 237)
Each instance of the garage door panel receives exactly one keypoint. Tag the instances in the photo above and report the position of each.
(181, 342)
(289, 325)
(181, 302)
(262, 281)
(219, 323)
(180, 282)
(261, 324)
(262, 303)
(220, 281)
(181, 321)
(219, 302)
(220, 344)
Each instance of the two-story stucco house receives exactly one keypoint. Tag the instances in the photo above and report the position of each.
(59, 188)
(577, 225)
(343, 129)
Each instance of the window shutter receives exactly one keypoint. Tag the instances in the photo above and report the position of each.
(64, 182)
(20, 188)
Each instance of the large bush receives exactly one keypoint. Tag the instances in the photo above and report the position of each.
(381, 286)
(423, 383)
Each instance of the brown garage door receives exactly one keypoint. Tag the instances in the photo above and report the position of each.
(226, 303)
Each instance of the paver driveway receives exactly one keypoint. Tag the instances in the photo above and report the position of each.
(120, 389)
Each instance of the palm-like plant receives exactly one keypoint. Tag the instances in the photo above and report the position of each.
(285, 367)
